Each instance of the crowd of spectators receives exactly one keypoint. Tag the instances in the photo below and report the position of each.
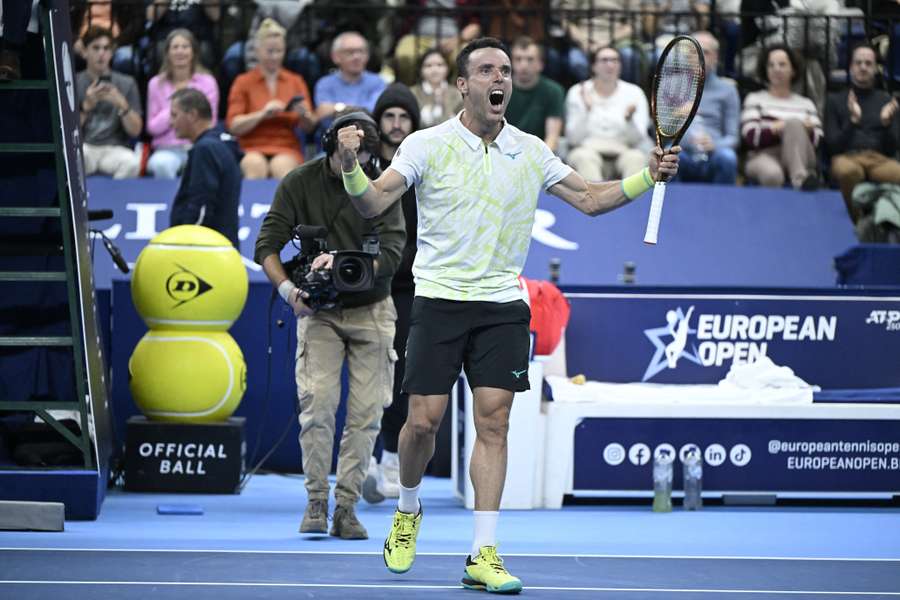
(581, 78)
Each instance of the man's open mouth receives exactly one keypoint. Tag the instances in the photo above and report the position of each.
(496, 97)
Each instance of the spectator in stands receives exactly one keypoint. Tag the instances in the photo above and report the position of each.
(351, 85)
(511, 19)
(110, 111)
(122, 18)
(16, 15)
(241, 55)
(180, 69)
(538, 104)
(862, 129)
(593, 24)
(210, 189)
(781, 128)
(198, 16)
(445, 30)
(438, 100)
(708, 147)
(673, 17)
(265, 106)
(397, 115)
(607, 120)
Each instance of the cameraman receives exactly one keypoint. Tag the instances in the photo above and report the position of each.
(360, 328)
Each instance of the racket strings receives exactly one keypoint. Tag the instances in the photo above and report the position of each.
(679, 79)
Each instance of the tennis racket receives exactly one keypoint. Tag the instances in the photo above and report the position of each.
(677, 88)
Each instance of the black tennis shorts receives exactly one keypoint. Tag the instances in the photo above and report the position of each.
(489, 339)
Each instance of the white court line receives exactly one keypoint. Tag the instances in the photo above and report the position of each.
(524, 555)
(444, 587)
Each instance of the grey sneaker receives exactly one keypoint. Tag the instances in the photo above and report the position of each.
(315, 519)
(372, 483)
(346, 526)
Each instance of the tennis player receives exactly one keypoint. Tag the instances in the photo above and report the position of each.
(477, 183)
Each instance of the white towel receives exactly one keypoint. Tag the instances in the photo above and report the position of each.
(762, 374)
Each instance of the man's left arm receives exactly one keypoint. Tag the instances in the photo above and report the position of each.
(596, 198)
(391, 228)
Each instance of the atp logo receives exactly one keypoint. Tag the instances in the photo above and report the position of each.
(670, 342)
(184, 285)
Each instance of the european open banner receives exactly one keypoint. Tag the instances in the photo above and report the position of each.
(742, 455)
(831, 338)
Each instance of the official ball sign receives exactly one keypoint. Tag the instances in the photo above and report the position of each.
(175, 457)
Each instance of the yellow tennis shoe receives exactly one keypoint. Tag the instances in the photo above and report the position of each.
(400, 545)
(486, 572)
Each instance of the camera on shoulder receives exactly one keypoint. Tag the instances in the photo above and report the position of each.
(351, 270)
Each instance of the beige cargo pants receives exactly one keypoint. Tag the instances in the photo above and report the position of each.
(364, 336)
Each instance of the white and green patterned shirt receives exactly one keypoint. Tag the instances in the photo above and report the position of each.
(476, 207)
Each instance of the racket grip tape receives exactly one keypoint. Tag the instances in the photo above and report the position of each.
(656, 206)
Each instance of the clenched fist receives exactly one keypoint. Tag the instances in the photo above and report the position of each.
(349, 140)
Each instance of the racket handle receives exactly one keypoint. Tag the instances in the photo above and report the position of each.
(656, 206)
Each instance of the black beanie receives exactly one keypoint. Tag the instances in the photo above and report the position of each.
(397, 94)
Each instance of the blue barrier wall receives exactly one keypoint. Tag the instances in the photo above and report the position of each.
(710, 235)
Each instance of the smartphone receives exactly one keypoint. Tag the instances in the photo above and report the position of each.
(292, 103)
(105, 79)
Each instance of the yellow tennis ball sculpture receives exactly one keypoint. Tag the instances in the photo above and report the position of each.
(189, 277)
(187, 376)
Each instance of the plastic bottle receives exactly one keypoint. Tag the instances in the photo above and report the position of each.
(628, 273)
(662, 482)
(555, 264)
(693, 480)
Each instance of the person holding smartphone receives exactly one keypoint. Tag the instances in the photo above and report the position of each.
(110, 110)
(265, 107)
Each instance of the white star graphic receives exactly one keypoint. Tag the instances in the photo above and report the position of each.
(659, 362)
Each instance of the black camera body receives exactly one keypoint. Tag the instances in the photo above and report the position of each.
(351, 271)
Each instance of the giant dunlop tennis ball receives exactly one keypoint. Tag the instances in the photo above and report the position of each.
(189, 277)
(187, 376)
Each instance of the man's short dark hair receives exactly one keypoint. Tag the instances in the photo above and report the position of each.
(462, 59)
(762, 66)
(189, 99)
(96, 32)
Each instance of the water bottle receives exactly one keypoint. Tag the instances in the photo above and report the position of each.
(554, 270)
(693, 480)
(662, 482)
(628, 269)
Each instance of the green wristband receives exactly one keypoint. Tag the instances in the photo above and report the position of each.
(635, 185)
(355, 182)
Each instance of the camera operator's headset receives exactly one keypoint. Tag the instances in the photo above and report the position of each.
(329, 139)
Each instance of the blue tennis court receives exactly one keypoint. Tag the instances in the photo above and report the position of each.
(247, 547)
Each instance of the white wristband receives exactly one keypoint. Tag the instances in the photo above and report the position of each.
(285, 289)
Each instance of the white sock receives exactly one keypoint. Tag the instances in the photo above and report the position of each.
(485, 530)
(409, 499)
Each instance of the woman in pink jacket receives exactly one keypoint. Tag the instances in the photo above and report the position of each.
(180, 69)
